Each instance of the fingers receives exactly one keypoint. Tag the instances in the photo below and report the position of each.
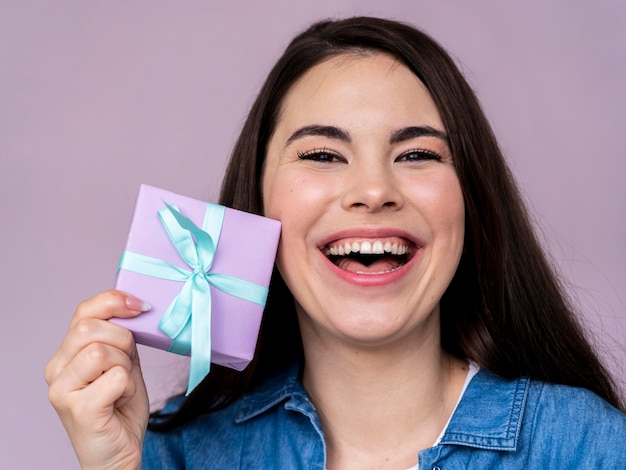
(95, 381)
(87, 332)
(93, 361)
(104, 392)
(89, 325)
(109, 304)
(88, 367)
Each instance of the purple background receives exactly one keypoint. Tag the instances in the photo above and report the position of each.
(97, 97)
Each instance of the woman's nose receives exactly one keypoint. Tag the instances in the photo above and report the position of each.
(371, 189)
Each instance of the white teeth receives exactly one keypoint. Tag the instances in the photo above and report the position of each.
(367, 248)
(396, 249)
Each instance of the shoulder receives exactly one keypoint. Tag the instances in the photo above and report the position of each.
(524, 423)
(271, 423)
(211, 436)
(545, 403)
(575, 407)
(574, 423)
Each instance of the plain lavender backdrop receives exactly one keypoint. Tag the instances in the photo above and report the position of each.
(97, 97)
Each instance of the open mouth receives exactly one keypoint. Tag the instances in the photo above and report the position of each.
(370, 257)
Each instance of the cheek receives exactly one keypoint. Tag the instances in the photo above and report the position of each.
(455, 202)
(452, 210)
(280, 200)
(274, 197)
(442, 200)
(292, 197)
(298, 202)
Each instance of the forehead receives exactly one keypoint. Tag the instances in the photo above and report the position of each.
(360, 87)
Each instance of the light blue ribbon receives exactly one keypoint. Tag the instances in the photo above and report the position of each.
(187, 320)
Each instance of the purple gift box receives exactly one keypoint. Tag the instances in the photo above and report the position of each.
(245, 250)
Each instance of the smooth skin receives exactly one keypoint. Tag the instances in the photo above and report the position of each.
(359, 153)
(96, 386)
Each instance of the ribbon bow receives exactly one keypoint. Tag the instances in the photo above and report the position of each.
(187, 320)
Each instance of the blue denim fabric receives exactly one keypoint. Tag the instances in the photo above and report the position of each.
(499, 424)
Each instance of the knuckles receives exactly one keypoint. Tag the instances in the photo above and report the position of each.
(113, 299)
(57, 396)
(48, 372)
(86, 327)
(96, 354)
(120, 376)
(109, 301)
(96, 330)
(98, 351)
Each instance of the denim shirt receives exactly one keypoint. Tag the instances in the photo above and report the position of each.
(498, 424)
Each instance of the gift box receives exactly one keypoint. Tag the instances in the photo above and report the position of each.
(205, 270)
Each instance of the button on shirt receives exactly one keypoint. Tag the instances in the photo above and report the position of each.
(498, 424)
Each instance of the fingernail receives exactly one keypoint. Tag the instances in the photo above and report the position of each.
(133, 303)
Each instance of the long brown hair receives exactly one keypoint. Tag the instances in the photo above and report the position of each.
(504, 309)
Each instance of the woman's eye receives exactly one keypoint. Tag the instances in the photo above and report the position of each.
(322, 156)
(418, 155)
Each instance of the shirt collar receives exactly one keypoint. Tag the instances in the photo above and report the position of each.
(489, 415)
(274, 390)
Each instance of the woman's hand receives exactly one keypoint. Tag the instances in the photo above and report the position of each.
(96, 386)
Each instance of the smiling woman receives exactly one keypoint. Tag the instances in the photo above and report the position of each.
(359, 157)
(412, 320)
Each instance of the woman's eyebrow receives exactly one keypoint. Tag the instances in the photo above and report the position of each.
(320, 130)
(333, 132)
(412, 132)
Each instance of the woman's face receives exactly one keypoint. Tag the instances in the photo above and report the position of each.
(360, 174)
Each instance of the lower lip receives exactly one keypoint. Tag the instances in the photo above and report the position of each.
(372, 279)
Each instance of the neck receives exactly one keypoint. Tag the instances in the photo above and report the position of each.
(380, 406)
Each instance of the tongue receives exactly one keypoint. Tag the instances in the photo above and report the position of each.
(380, 265)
